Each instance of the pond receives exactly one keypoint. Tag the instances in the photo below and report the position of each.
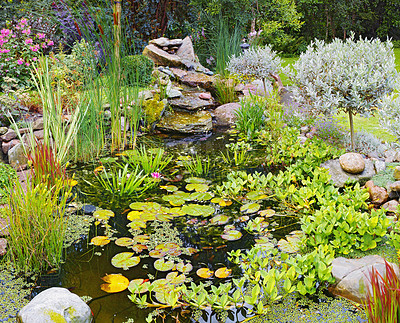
(182, 226)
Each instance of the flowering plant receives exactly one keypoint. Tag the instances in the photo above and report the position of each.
(19, 47)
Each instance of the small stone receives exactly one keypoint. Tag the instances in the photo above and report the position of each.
(352, 163)
(161, 42)
(38, 124)
(165, 48)
(205, 96)
(88, 209)
(239, 87)
(178, 73)
(380, 166)
(9, 135)
(186, 51)
(395, 186)
(391, 206)
(225, 114)
(304, 129)
(378, 195)
(6, 146)
(3, 246)
(396, 173)
(39, 134)
(390, 156)
(194, 79)
(17, 157)
(3, 130)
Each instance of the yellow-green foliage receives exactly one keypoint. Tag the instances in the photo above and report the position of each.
(152, 109)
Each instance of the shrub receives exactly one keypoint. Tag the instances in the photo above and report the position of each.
(137, 69)
(7, 177)
(19, 47)
(349, 75)
(389, 114)
(250, 116)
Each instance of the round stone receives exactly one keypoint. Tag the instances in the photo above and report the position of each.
(352, 163)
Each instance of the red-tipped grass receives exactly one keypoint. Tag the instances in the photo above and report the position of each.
(383, 302)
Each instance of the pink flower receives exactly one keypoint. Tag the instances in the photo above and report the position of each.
(50, 43)
(20, 62)
(44, 45)
(40, 36)
(23, 21)
(156, 175)
(27, 64)
(28, 41)
(34, 59)
(34, 48)
(26, 31)
(5, 51)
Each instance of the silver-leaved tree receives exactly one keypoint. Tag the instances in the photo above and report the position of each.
(350, 76)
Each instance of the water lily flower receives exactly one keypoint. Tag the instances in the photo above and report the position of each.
(156, 175)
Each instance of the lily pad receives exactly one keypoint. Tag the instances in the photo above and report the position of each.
(166, 246)
(223, 272)
(196, 180)
(191, 251)
(220, 219)
(175, 279)
(161, 285)
(174, 200)
(107, 160)
(232, 235)
(137, 224)
(169, 188)
(142, 238)
(197, 187)
(114, 283)
(125, 260)
(201, 196)
(139, 248)
(162, 265)
(100, 240)
(124, 242)
(256, 196)
(204, 273)
(184, 268)
(244, 218)
(139, 286)
(250, 208)
(198, 210)
(290, 245)
(103, 214)
(267, 213)
(144, 206)
(229, 227)
(157, 253)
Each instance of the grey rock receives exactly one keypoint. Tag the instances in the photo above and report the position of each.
(173, 93)
(57, 303)
(380, 165)
(352, 276)
(17, 157)
(160, 57)
(4, 225)
(186, 122)
(186, 51)
(394, 187)
(339, 176)
(3, 130)
(178, 73)
(161, 42)
(191, 101)
(390, 155)
(202, 80)
(225, 114)
(6, 146)
(166, 71)
(145, 95)
(38, 124)
(352, 163)
(39, 134)
(9, 135)
(391, 206)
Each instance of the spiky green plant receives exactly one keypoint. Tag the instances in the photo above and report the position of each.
(149, 160)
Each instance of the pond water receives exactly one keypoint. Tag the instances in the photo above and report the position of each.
(86, 264)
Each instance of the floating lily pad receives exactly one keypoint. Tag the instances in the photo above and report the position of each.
(157, 254)
(143, 238)
(166, 246)
(267, 213)
(256, 196)
(139, 286)
(197, 187)
(124, 242)
(103, 214)
(107, 160)
(100, 240)
(139, 248)
(198, 210)
(196, 180)
(134, 215)
(161, 285)
(148, 216)
(162, 265)
(232, 235)
(244, 218)
(290, 245)
(164, 217)
(144, 206)
(184, 268)
(222, 202)
(125, 260)
(204, 273)
(174, 200)
(223, 272)
(220, 219)
(175, 279)
(169, 188)
(200, 196)
(229, 227)
(191, 251)
(137, 224)
(250, 208)
(114, 283)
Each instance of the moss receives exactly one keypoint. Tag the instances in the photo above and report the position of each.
(55, 317)
(153, 109)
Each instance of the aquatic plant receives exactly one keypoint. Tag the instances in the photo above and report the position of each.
(250, 116)
(383, 301)
(149, 160)
(36, 215)
(137, 69)
(236, 153)
(225, 89)
(197, 166)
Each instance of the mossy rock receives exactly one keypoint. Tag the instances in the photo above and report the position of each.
(186, 122)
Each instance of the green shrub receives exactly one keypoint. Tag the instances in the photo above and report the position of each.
(7, 176)
(137, 69)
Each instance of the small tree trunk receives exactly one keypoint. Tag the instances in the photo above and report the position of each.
(351, 129)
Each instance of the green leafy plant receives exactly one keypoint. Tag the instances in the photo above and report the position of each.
(250, 116)
(137, 69)
(225, 89)
(8, 175)
(236, 153)
(149, 160)
(197, 165)
(37, 225)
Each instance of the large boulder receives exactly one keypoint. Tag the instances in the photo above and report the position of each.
(17, 157)
(225, 114)
(378, 195)
(352, 163)
(195, 79)
(55, 304)
(340, 177)
(352, 276)
(161, 57)
(186, 51)
(186, 122)
(191, 101)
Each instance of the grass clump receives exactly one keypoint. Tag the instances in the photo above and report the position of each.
(7, 177)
